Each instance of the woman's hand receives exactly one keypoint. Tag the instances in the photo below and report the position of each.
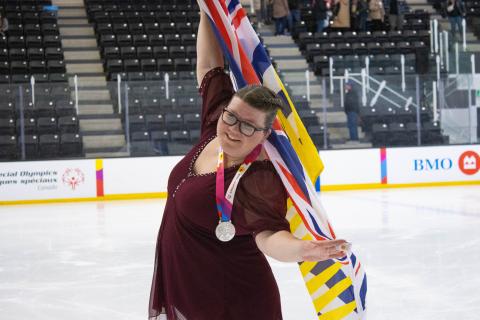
(283, 246)
(323, 250)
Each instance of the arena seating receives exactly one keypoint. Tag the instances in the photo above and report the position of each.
(32, 47)
(143, 38)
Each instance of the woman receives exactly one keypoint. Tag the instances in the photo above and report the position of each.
(203, 268)
(341, 21)
(376, 14)
(280, 15)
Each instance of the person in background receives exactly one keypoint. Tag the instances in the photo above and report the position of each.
(376, 14)
(320, 14)
(280, 14)
(341, 20)
(3, 24)
(396, 12)
(360, 14)
(294, 16)
(455, 10)
(352, 104)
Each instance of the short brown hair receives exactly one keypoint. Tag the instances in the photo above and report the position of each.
(263, 99)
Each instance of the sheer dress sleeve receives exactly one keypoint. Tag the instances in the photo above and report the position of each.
(262, 200)
(216, 91)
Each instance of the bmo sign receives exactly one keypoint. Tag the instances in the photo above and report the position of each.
(433, 164)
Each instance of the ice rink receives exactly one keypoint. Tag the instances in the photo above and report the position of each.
(93, 260)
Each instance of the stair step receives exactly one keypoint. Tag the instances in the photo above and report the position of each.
(66, 12)
(272, 40)
(104, 141)
(84, 68)
(88, 95)
(318, 104)
(302, 89)
(352, 145)
(282, 52)
(106, 154)
(79, 43)
(67, 22)
(83, 31)
(291, 64)
(95, 109)
(82, 55)
(68, 3)
(89, 82)
(341, 133)
(296, 76)
(100, 124)
(333, 117)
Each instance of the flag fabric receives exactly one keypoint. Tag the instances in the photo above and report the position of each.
(337, 287)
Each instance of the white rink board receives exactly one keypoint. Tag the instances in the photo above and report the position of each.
(149, 175)
(342, 167)
(431, 164)
(137, 175)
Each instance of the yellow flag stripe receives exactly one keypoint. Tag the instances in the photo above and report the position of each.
(322, 278)
(295, 222)
(332, 293)
(308, 236)
(306, 267)
(339, 313)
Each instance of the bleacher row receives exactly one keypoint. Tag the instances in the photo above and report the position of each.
(32, 45)
(349, 50)
(44, 125)
(383, 124)
(414, 20)
(50, 126)
(139, 37)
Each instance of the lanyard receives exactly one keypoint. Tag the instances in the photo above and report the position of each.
(225, 201)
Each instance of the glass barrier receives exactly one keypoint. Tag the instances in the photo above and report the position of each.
(396, 107)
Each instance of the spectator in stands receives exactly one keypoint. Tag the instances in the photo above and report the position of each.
(455, 10)
(280, 14)
(376, 14)
(360, 14)
(294, 16)
(342, 19)
(197, 275)
(3, 25)
(396, 12)
(352, 104)
(320, 14)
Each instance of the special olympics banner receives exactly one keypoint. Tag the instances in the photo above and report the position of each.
(43, 180)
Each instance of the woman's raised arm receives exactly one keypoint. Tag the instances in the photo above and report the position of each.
(209, 52)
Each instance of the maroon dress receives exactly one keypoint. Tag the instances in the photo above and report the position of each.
(196, 276)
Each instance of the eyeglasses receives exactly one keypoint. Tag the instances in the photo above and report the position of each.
(246, 128)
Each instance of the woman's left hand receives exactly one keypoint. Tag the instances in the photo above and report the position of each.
(323, 250)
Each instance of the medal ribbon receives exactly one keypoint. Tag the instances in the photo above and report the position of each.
(225, 201)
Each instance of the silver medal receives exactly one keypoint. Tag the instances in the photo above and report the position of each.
(225, 231)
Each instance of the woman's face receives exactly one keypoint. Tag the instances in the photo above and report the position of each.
(234, 143)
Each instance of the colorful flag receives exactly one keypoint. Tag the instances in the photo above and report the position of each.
(337, 287)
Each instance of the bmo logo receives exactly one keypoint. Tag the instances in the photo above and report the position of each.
(432, 164)
(469, 162)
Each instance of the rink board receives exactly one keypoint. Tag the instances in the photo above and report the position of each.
(133, 178)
